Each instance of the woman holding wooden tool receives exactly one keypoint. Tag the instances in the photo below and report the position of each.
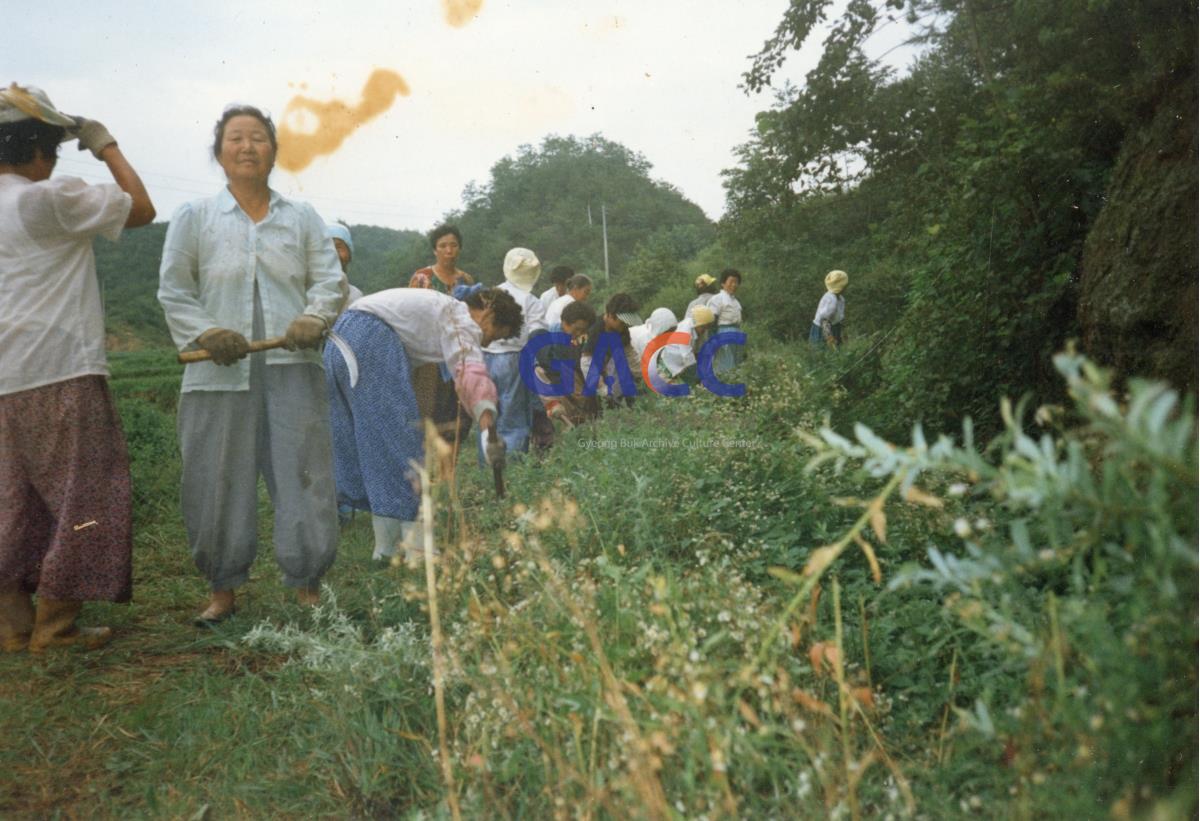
(244, 265)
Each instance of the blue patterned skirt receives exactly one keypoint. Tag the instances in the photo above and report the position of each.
(376, 425)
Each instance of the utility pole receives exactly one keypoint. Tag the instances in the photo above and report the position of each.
(604, 231)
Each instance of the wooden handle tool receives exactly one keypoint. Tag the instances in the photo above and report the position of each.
(255, 346)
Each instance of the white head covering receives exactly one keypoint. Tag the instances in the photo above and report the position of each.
(522, 268)
(335, 230)
(836, 281)
(661, 320)
(30, 103)
(702, 315)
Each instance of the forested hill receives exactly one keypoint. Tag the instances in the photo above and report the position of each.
(1029, 179)
(554, 198)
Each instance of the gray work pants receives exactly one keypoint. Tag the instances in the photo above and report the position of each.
(279, 428)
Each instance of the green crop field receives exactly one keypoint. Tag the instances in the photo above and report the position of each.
(697, 607)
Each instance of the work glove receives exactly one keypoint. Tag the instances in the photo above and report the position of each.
(226, 346)
(93, 136)
(558, 412)
(493, 452)
(306, 331)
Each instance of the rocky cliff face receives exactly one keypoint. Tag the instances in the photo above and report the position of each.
(1138, 280)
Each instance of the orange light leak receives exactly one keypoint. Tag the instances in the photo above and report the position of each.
(460, 12)
(335, 120)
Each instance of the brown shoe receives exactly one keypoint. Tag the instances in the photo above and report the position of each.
(221, 605)
(55, 627)
(309, 597)
(16, 620)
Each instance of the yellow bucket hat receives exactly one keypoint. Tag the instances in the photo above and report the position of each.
(702, 315)
(836, 281)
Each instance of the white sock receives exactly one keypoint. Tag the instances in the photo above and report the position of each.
(388, 532)
(408, 536)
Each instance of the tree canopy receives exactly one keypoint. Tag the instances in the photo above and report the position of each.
(958, 194)
(542, 197)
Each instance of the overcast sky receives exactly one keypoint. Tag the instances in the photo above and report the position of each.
(659, 76)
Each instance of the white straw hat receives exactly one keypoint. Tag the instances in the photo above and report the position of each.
(522, 268)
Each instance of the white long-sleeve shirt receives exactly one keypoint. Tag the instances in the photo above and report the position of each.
(51, 319)
(213, 256)
(674, 358)
(548, 296)
(832, 307)
(703, 299)
(436, 328)
(554, 312)
(726, 308)
(533, 318)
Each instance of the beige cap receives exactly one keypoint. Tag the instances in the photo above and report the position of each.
(702, 315)
(30, 103)
(522, 268)
(836, 281)
(704, 280)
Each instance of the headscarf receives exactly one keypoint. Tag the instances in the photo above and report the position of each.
(463, 292)
(30, 103)
(335, 230)
(836, 281)
(661, 320)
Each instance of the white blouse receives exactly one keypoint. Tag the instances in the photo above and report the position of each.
(674, 358)
(433, 326)
(554, 312)
(533, 318)
(832, 307)
(726, 309)
(51, 319)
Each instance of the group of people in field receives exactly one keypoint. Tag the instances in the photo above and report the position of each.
(302, 379)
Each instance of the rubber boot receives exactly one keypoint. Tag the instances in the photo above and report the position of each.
(388, 532)
(414, 550)
(55, 627)
(16, 620)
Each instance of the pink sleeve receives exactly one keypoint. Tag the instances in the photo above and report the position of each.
(475, 388)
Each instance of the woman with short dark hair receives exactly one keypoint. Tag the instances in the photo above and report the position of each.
(251, 264)
(728, 313)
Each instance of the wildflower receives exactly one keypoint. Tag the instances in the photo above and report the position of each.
(962, 528)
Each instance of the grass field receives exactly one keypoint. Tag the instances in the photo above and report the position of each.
(669, 616)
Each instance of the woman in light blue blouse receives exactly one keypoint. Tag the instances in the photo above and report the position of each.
(244, 265)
